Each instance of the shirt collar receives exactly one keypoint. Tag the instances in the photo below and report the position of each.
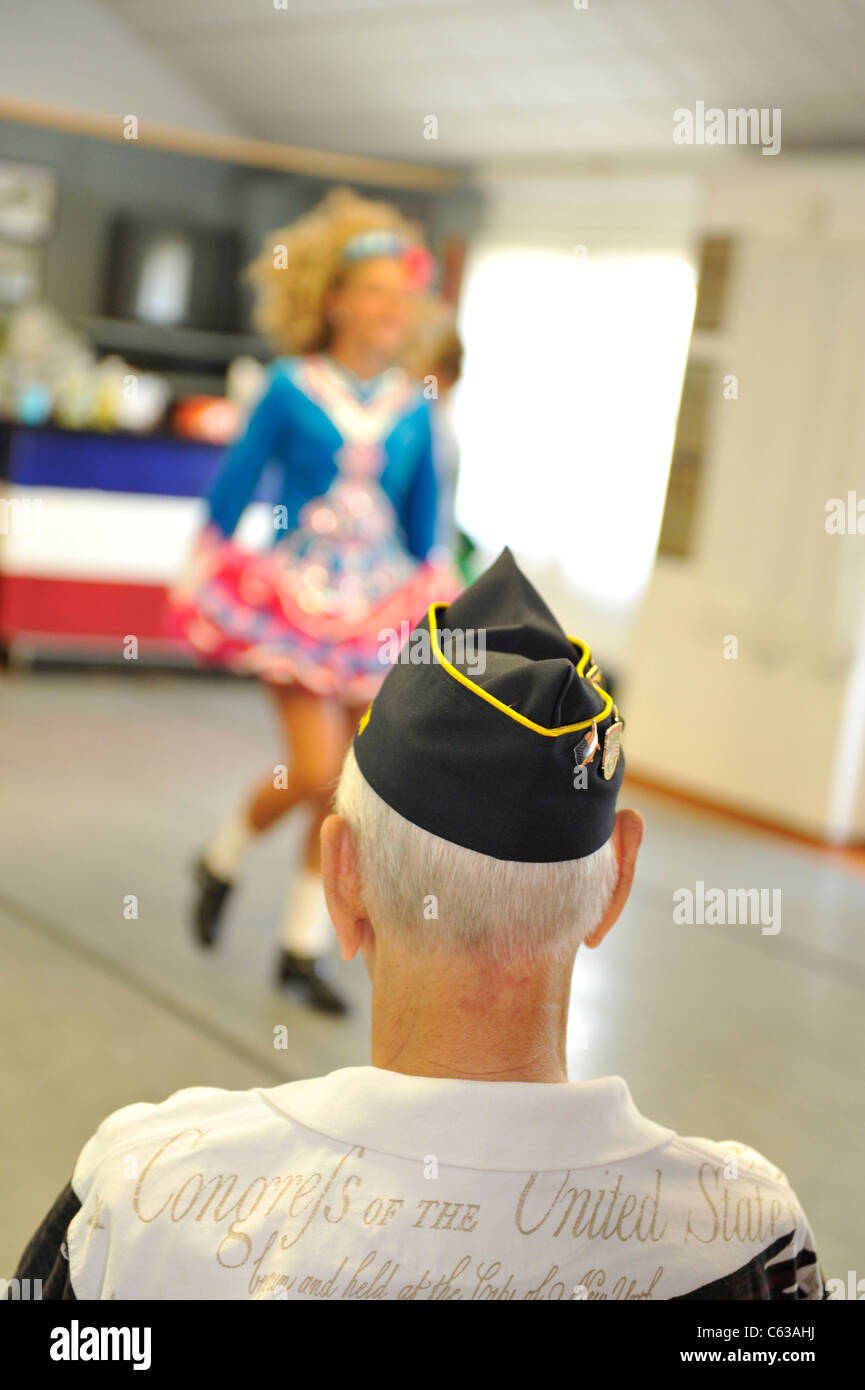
(517, 1125)
(361, 387)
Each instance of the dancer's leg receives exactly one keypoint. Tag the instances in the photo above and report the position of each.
(306, 932)
(311, 735)
(310, 730)
(346, 720)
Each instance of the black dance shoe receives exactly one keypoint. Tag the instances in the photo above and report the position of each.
(207, 912)
(308, 972)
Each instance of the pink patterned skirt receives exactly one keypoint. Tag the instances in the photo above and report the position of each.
(311, 611)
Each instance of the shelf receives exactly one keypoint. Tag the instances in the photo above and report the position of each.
(175, 343)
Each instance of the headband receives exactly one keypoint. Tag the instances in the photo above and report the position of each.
(369, 245)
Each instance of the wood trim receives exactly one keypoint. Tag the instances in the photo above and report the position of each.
(851, 857)
(261, 154)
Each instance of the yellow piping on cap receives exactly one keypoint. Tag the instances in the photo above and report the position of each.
(364, 719)
(506, 709)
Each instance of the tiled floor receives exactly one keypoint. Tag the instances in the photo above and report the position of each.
(108, 785)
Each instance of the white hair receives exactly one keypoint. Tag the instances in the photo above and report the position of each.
(430, 892)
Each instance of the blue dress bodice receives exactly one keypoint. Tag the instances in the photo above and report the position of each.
(299, 433)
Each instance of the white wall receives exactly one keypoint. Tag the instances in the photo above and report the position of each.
(777, 731)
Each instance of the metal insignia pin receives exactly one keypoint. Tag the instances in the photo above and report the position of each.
(612, 746)
(587, 747)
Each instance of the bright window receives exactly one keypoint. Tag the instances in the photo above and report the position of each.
(567, 410)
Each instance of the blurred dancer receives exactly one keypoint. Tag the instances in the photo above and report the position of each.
(354, 536)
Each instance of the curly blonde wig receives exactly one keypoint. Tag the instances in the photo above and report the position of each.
(301, 263)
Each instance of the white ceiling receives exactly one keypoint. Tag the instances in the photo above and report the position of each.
(511, 79)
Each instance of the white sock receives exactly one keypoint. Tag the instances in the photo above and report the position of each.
(225, 851)
(306, 929)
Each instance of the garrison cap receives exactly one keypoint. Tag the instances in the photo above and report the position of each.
(492, 730)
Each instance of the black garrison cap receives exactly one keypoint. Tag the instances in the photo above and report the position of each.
(519, 760)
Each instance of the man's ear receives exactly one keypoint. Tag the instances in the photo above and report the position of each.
(627, 835)
(341, 881)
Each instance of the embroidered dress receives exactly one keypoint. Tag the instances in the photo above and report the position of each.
(354, 557)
